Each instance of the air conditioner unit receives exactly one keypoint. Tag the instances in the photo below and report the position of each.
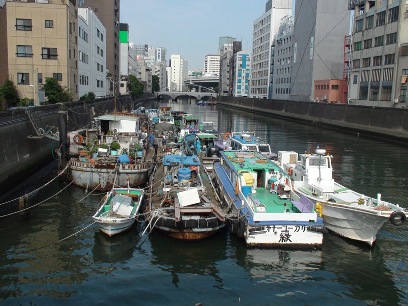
(395, 101)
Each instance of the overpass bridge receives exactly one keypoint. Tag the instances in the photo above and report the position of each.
(199, 95)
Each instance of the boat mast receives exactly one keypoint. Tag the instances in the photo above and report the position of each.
(320, 152)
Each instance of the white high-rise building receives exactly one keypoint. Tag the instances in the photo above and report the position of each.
(179, 73)
(212, 64)
(91, 54)
(264, 30)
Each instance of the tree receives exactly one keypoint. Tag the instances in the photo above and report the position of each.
(54, 91)
(155, 83)
(89, 97)
(10, 94)
(135, 87)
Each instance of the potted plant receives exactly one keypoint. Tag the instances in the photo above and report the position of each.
(103, 149)
(138, 150)
(115, 146)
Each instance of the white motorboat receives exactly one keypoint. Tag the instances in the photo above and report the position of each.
(345, 212)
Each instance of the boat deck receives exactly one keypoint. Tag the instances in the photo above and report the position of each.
(273, 203)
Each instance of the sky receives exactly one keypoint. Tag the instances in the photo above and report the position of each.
(190, 28)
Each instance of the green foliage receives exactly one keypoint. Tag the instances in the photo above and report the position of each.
(155, 83)
(26, 102)
(135, 87)
(54, 92)
(89, 97)
(10, 93)
(115, 145)
(104, 146)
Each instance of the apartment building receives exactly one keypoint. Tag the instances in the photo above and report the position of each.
(39, 39)
(281, 61)
(108, 12)
(242, 74)
(379, 55)
(179, 73)
(212, 64)
(265, 28)
(91, 54)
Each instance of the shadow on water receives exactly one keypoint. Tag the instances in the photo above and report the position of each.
(184, 258)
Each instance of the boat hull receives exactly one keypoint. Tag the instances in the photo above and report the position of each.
(266, 234)
(88, 176)
(189, 234)
(193, 228)
(114, 226)
(352, 223)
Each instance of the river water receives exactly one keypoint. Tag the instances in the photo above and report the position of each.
(42, 264)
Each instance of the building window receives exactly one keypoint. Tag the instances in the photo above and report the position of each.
(49, 53)
(356, 63)
(23, 78)
(403, 50)
(391, 38)
(386, 92)
(49, 23)
(363, 91)
(24, 51)
(393, 14)
(369, 22)
(403, 94)
(374, 91)
(335, 87)
(378, 41)
(389, 59)
(380, 21)
(355, 79)
(57, 76)
(366, 62)
(357, 46)
(40, 78)
(368, 43)
(377, 60)
(24, 24)
(359, 25)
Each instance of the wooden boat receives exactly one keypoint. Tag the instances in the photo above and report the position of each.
(345, 212)
(96, 165)
(182, 208)
(244, 141)
(264, 213)
(119, 210)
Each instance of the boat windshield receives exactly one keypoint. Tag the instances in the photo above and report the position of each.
(318, 161)
(264, 148)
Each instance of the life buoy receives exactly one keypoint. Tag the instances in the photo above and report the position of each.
(290, 171)
(227, 135)
(397, 218)
(238, 160)
(78, 139)
(262, 161)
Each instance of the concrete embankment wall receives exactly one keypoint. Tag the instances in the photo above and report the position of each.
(23, 152)
(375, 121)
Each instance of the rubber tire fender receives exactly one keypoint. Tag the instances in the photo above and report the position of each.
(397, 218)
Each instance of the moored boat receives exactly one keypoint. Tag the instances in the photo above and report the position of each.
(244, 141)
(97, 164)
(259, 197)
(182, 207)
(119, 210)
(345, 212)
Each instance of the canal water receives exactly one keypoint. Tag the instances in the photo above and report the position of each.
(57, 257)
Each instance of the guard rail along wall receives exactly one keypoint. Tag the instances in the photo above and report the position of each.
(375, 121)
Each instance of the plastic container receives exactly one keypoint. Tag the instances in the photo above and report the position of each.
(246, 190)
(184, 174)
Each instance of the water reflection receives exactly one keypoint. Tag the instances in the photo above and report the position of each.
(185, 258)
(362, 270)
(115, 249)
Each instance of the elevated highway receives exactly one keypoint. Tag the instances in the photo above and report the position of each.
(178, 94)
